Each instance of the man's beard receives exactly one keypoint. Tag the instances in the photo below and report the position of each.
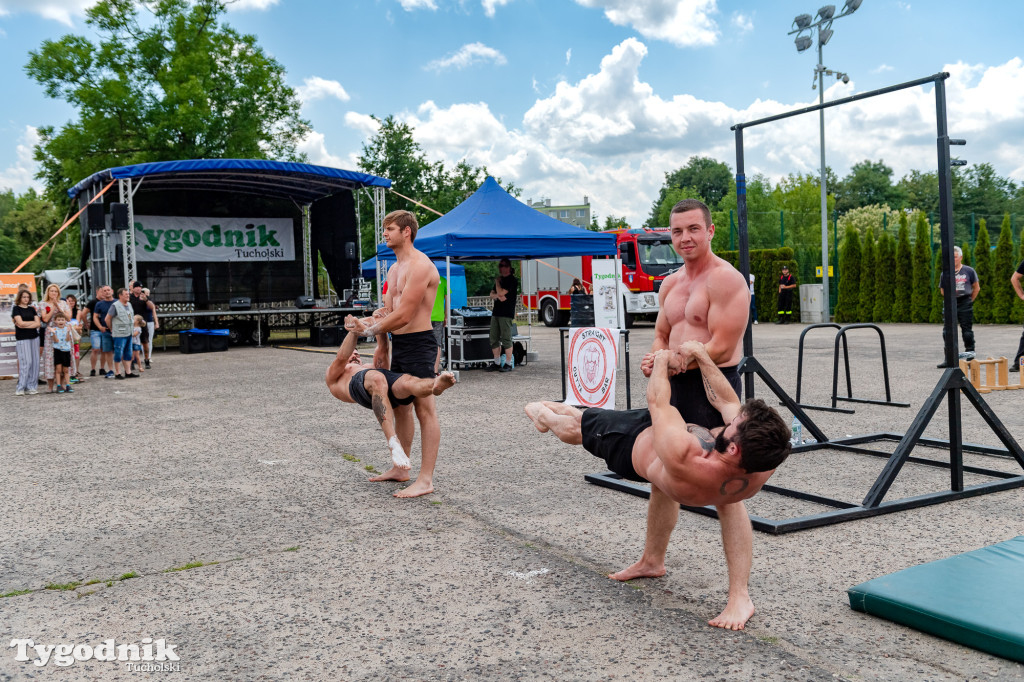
(721, 442)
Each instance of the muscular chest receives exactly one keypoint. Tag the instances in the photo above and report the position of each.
(687, 303)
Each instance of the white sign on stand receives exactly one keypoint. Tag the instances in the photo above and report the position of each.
(593, 355)
(607, 301)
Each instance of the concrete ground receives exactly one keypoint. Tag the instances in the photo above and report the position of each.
(240, 469)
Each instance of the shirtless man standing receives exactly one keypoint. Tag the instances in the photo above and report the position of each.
(707, 300)
(412, 286)
(686, 463)
(381, 390)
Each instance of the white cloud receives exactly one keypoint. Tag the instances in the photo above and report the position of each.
(21, 175)
(314, 88)
(258, 5)
(568, 56)
(611, 137)
(315, 148)
(882, 68)
(410, 5)
(744, 23)
(467, 55)
(686, 23)
(365, 124)
(491, 5)
(57, 10)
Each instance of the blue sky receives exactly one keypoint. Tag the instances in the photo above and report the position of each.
(600, 97)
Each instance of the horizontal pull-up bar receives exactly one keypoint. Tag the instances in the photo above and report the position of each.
(853, 98)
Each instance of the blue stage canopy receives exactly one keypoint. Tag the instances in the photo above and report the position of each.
(302, 182)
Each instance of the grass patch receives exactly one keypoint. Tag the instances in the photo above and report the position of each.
(15, 593)
(435, 502)
(129, 575)
(369, 467)
(84, 594)
(292, 549)
(110, 583)
(350, 458)
(173, 396)
(94, 581)
(768, 639)
(64, 586)
(186, 567)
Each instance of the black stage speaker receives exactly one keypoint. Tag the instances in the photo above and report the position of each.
(327, 336)
(119, 217)
(94, 217)
(305, 302)
(240, 303)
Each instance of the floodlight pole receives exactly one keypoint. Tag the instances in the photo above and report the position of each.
(824, 192)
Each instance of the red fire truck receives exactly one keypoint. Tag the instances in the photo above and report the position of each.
(647, 259)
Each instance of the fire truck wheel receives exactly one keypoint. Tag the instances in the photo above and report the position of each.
(549, 314)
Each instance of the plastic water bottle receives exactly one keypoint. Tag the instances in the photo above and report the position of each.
(797, 430)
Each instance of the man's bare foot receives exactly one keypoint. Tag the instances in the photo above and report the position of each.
(534, 411)
(443, 382)
(392, 474)
(640, 569)
(415, 490)
(735, 615)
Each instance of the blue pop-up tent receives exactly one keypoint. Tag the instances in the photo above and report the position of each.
(457, 285)
(492, 224)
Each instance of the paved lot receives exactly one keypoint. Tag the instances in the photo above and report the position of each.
(242, 461)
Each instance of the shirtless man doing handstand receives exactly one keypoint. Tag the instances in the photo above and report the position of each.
(352, 381)
(688, 463)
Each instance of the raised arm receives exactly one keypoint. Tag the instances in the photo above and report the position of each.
(672, 441)
(348, 346)
(717, 388)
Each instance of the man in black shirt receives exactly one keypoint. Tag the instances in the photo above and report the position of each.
(786, 285)
(1015, 279)
(504, 293)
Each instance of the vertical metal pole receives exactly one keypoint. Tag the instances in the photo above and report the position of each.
(741, 210)
(378, 235)
(307, 250)
(824, 191)
(956, 461)
(124, 188)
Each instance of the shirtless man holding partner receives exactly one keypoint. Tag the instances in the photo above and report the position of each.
(707, 300)
(687, 463)
(412, 286)
(381, 390)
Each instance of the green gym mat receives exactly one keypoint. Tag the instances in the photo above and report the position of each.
(975, 599)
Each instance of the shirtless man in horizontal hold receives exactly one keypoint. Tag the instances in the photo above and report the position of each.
(688, 463)
(412, 287)
(352, 381)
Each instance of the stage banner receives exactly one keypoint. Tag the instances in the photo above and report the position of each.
(9, 282)
(607, 301)
(593, 356)
(189, 239)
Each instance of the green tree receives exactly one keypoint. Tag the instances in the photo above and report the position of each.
(921, 292)
(762, 217)
(919, 191)
(848, 303)
(885, 290)
(875, 217)
(983, 267)
(904, 272)
(709, 180)
(869, 182)
(173, 84)
(31, 221)
(1004, 266)
(663, 212)
(868, 277)
(935, 313)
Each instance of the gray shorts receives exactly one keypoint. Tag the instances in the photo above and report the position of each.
(357, 390)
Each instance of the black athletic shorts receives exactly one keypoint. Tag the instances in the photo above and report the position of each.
(61, 357)
(689, 398)
(414, 354)
(358, 391)
(610, 434)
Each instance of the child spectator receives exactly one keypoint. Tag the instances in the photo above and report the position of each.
(139, 326)
(63, 337)
(74, 322)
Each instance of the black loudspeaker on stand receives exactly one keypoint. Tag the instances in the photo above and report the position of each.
(119, 217)
(305, 302)
(94, 217)
(240, 303)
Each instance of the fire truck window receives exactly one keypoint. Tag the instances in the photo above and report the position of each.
(627, 255)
